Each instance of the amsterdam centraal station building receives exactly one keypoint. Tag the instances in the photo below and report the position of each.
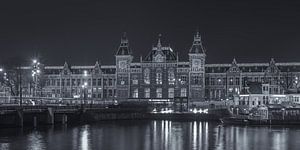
(161, 76)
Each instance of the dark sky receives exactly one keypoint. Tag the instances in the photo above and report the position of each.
(82, 31)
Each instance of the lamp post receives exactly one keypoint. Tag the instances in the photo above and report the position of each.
(83, 87)
(35, 73)
(283, 113)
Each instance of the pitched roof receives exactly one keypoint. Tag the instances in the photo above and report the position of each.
(167, 52)
(197, 46)
(124, 46)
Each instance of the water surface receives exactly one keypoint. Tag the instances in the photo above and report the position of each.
(151, 135)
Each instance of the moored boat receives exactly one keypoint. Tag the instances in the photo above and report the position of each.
(235, 120)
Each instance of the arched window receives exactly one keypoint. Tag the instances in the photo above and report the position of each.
(171, 92)
(147, 92)
(135, 93)
(158, 76)
(147, 76)
(171, 77)
(183, 92)
(159, 93)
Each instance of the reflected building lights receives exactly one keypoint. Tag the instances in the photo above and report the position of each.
(162, 135)
(166, 132)
(200, 133)
(154, 133)
(194, 143)
(206, 135)
(279, 141)
(85, 145)
(35, 141)
(4, 146)
(75, 138)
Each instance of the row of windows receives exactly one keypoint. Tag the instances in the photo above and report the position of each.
(253, 102)
(91, 93)
(222, 81)
(296, 99)
(159, 93)
(78, 82)
(159, 77)
(236, 80)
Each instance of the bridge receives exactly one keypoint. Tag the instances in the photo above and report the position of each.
(29, 115)
(36, 111)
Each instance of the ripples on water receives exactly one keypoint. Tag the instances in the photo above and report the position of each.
(151, 135)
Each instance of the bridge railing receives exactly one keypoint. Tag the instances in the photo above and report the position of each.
(28, 101)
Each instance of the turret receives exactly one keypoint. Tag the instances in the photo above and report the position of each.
(123, 61)
(197, 69)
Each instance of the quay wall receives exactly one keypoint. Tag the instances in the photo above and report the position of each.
(20, 118)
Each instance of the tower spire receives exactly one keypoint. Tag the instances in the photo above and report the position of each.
(124, 46)
(197, 38)
(159, 42)
(124, 39)
(234, 61)
(197, 46)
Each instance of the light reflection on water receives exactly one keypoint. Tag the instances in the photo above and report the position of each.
(35, 141)
(151, 135)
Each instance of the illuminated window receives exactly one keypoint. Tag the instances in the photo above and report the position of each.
(158, 77)
(147, 92)
(183, 92)
(135, 80)
(171, 77)
(171, 93)
(230, 81)
(147, 76)
(135, 93)
(159, 93)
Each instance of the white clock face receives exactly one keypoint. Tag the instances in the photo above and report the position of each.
(196, 63)
(122, 64)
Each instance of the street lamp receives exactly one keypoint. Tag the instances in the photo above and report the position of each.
(84, 86)
(85, 73)
(283, 113)
(35, 73)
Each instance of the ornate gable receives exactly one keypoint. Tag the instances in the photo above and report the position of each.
(66, 69)
(234, 67)
(97, 69)
(161, 53)
(272, 69)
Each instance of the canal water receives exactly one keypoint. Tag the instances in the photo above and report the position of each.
(151, 135)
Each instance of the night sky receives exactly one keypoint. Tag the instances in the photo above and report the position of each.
(81, 31)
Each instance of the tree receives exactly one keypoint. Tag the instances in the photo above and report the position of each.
(12, 75)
